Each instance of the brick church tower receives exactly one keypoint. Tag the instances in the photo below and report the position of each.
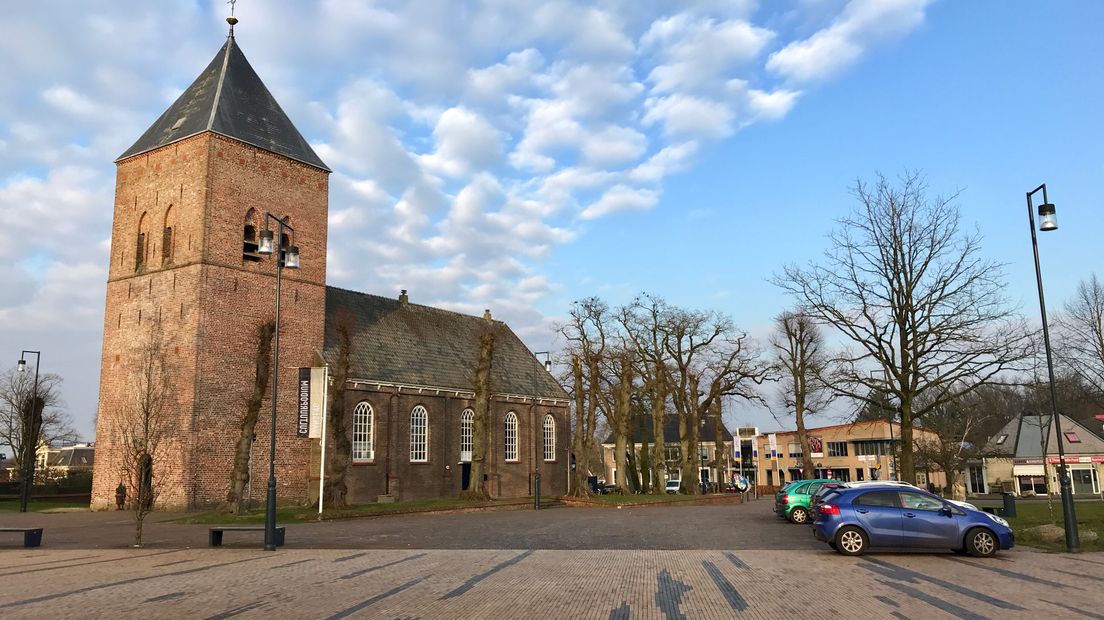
(190, 200)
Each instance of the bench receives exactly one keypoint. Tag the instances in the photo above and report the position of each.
(215, 533)
(32, 536)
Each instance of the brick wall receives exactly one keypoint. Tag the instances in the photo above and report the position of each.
(441, 476)
(209, 302)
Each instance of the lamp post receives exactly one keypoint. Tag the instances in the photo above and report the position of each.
(32, 424)
(1048, 221)
(547, 359)
(285, 257)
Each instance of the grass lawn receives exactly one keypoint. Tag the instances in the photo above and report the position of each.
(1090, 516)
(12, 505)
(286, 515)
(667, 498)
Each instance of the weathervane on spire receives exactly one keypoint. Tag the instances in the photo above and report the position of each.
(231, 20)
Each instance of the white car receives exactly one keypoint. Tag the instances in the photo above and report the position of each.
(673, 486)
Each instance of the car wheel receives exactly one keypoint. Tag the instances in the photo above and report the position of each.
(799, 515)
(834, 546)
(850, 540)
(981, 542)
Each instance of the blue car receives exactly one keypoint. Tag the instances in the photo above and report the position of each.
(854, 520)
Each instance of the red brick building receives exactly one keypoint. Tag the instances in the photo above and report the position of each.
(190, 200)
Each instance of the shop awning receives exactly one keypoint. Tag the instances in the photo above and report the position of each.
(1028, 470)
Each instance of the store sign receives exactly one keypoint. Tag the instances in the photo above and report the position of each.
(1053, 460)
(816, 447)
(1037, 461)
(302, 426)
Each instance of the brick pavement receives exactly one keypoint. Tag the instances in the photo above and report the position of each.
(528, 581)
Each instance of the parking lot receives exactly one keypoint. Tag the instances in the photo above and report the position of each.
(658, 562)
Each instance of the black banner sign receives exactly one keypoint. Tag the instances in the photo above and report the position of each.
(302, 429)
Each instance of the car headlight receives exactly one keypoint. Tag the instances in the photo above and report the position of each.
(997, 519)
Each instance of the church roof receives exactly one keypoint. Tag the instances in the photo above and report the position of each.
(230, 99)
(410, 344)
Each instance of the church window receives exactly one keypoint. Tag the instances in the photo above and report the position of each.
(419, 435)
(466, 420)
(362, 432)
(549, 438)
(511, 437)
(167, 237)
(140, 250)
(249, 237)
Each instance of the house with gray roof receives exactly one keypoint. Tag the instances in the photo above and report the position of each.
(1023, 458)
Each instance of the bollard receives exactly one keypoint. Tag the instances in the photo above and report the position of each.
(536, 489)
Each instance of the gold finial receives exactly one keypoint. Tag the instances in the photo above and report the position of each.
(231, 20)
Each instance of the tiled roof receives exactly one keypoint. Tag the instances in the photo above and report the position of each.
(411, 344)
(1024, 435)
(670, 431)
(230, 99)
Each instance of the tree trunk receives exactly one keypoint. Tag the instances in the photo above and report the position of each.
(592, 408)
(659, 447)
(477, 487)
(720, 448)
(579, 475)
(335, 491)
(236, 498)
(906, 468)
(645, 455)
(802, 435)
(621, 420)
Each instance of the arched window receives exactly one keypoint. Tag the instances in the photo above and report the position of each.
(466, 420)
(167, 236)
(143, 240)
(419, 435)
(549, 438)
(363, 418)
(511, 436)
(249, 237)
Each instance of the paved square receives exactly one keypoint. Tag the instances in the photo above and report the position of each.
(527, 576)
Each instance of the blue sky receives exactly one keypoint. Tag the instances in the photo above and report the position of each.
(520, 155)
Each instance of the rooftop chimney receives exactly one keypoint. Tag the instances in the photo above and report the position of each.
(403, 297)
(487, 314)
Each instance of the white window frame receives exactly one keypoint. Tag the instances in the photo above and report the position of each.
(510, 438)
(549, 438)
(419, 435)
(364, 418)
(467, 421)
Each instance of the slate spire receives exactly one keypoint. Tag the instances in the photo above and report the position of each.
(230, 99)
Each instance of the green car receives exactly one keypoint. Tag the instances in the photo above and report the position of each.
(792, 500)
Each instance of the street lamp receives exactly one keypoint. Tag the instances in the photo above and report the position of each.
(547, 359)
(285, 257)
(1048, 221)
(32, 424)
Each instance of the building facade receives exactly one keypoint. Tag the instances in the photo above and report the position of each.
(846, 452)
(186, 279)
(713, 467)
(1023, 459)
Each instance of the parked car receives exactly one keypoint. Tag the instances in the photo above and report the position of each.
(856, 519)
(826, 489)
(673, 486)
(792, 502)
(902, 483)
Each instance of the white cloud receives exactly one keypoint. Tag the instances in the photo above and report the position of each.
(621, 198)
(837, 47)
(469, 142)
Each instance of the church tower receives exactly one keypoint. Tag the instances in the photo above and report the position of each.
(190, 201)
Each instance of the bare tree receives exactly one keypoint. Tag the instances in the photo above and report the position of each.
(954, 441)
(1080, 333)
(702, 358)
(477, 488)
(236, 498)
(145, 423)
(802, 364)
(22, 428)
(910, 292)
(334, 490)
(585, 333)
